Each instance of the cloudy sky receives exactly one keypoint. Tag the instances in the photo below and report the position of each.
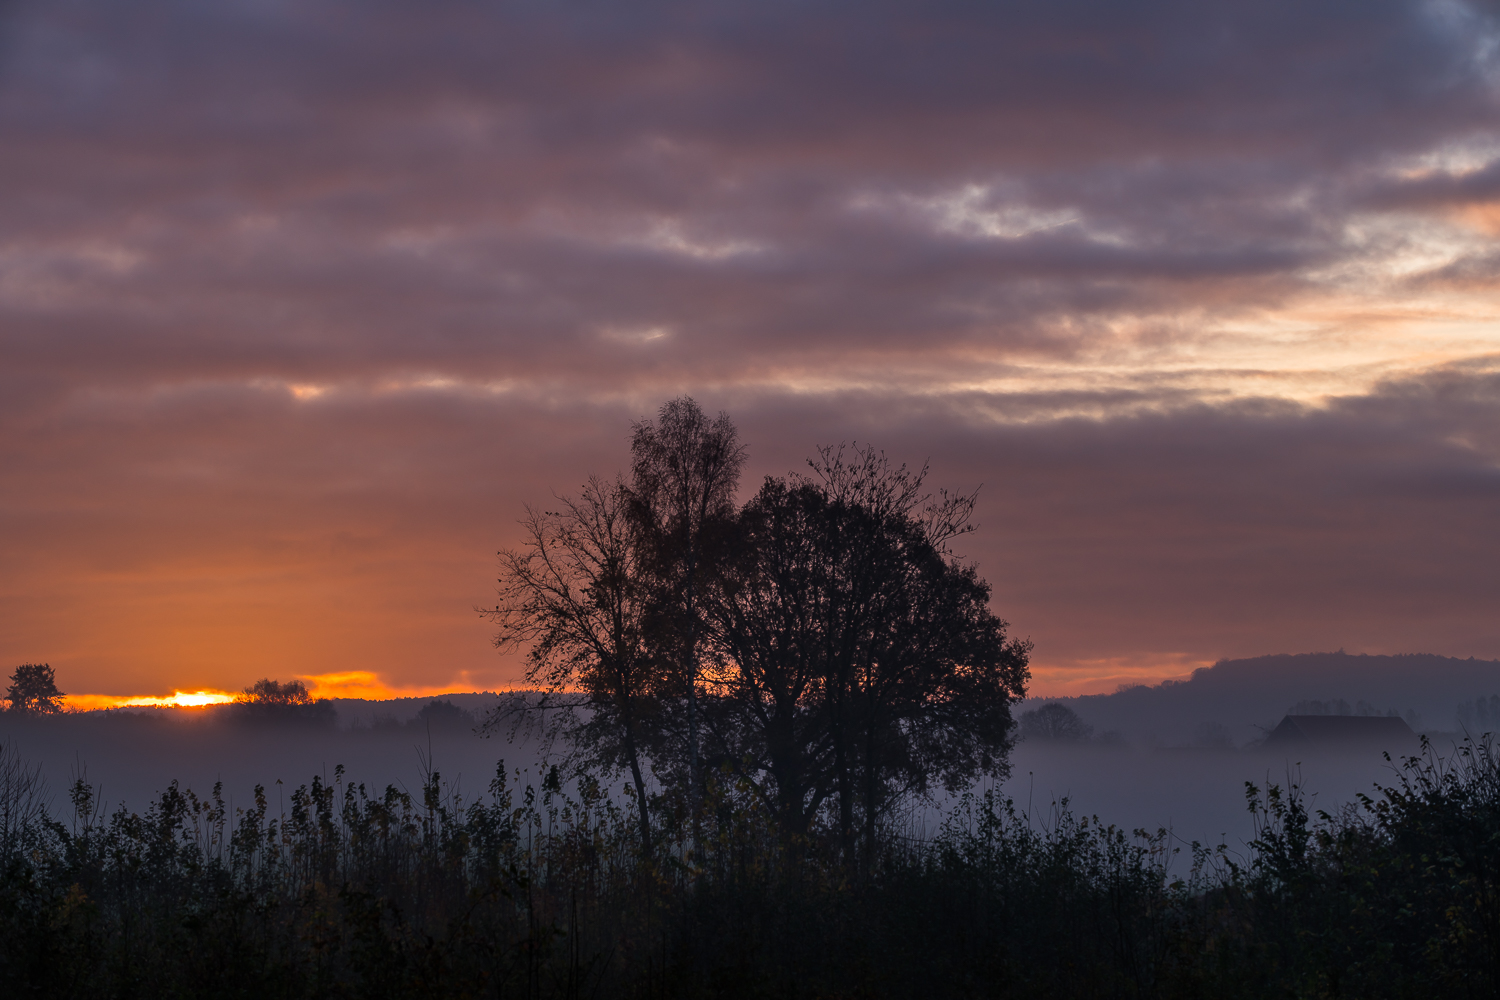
(300, 302)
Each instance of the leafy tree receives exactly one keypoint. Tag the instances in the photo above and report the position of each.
(1054, 721)
(272, 702)
(824, 640)
(925, 678)
(577, 596)
(775, 634)
(854, 657)
(685, 469)
(33, 690)
(269, 692)
(443, 714)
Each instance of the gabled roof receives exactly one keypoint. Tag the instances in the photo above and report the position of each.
(1342, 729)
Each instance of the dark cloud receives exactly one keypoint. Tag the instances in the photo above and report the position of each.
(300, 302)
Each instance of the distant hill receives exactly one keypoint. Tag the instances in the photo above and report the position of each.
(1242, 699)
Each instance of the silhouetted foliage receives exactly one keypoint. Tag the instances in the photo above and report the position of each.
(22, 804)
(272, 703)
(854, 659)
(33, 690)
(441, 714)
(1213, 734)
(274, 693)
(822, 642)
(685, 469)
(577, 596)
(1480, 715)
(536, 891)
(1054, 721)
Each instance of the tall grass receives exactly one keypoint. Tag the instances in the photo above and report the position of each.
(536, 890)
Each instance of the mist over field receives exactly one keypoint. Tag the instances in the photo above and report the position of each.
(1178, 754)
(1197, 793)
(1175, 755)
(131, 756)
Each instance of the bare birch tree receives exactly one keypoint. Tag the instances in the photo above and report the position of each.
(684, 474)
(574, 595)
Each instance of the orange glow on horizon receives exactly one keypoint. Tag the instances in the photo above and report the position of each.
(363, 684)
(1048, 681)
(1106, 676)
(177, 699)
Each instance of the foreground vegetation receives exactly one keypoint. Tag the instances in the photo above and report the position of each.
(546, 892)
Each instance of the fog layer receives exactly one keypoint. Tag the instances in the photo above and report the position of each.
(1155, 757)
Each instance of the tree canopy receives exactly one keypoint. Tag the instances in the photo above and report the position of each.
(577, 595)
(270, 702)
(33, 690)
(685, 469)
(855, 659)
(822, 642)
(1054, 721)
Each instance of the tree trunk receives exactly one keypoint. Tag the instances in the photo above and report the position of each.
(640, 785)
(872, 784)
(846, 792)
(695, 777)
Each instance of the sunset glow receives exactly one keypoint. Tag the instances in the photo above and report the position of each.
(350, 684)
(849, 497)
(364, 684)
(177, 699)
(1204, 297)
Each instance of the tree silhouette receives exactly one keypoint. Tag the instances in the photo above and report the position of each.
(269, 692)
(685, 469)
(923, 691)
(577, 595)
(854, 658)
(272, 702)
(33, 690)
(823, 640)
(1054, 721)
(442, 715)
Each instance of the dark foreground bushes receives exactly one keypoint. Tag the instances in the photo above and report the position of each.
(531, 892)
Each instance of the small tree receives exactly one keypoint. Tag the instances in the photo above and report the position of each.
(685, 470)
(444, 715)
(1054, 721)
(269, 692)
(271, 701)
(575, 595)
(33, 690)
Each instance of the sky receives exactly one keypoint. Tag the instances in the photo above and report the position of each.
(302, 303)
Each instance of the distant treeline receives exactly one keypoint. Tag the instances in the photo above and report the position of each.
(539, 892)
